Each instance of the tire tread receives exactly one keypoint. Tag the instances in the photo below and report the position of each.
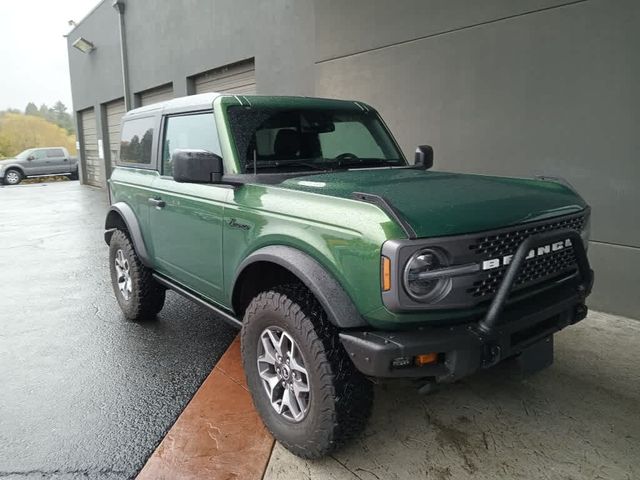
(148, 296)
(346, 394)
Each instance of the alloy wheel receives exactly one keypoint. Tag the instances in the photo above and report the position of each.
(283, 373)
(123, 274)
(12, 177)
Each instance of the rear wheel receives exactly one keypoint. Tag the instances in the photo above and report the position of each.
(12, 177)
(306, 389)
(140, 297)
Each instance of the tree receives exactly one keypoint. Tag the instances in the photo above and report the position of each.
(43, 111)
(31, 109)
(59, 110)
(58, 114)
(19, 132)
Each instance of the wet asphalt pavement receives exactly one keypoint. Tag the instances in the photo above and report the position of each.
(83, 392)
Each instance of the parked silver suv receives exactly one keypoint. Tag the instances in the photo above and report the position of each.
(38, 162)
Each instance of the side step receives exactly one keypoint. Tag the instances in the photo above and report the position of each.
(227, 316)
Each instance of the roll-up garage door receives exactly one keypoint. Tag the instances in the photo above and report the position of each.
(115, 112)
(155, 95)
(90, 159)
(237, 78)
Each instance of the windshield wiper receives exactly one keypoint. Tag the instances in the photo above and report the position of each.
(284, 164)
(352, 163)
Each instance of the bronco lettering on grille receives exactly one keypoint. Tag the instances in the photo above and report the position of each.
(534, 252)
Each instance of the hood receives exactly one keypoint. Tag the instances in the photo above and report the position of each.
(440, 203)
(7, 159)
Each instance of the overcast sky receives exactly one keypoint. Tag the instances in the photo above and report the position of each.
(33, 53)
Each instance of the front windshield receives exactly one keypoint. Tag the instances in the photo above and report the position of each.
(24, 154)
(271, 140)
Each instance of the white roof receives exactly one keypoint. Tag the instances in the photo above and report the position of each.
(202, 100)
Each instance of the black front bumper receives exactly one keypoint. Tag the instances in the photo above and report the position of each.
(505, 331)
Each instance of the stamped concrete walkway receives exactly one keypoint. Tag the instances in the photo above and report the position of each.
(219, 435)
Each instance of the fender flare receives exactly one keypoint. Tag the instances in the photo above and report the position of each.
(14, 166)
(340, 309)
(126, 213)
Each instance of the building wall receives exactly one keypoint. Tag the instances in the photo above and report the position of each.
(172, 40)
(506, 87)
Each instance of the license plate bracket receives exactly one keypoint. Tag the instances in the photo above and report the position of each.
(536, 357)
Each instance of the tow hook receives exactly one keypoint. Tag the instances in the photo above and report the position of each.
(490, 355)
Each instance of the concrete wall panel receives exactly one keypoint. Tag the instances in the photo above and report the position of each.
(344, 28)
(617, 279)
(554, 93)
(96, 77)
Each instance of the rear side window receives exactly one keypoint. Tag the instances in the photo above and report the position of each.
(55, 152)
(137, 141)
(195, 131)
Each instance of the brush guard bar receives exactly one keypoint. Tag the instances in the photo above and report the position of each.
(488, 324)
(507, 328)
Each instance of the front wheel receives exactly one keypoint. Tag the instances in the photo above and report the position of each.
(140, 297)
(306, 389)
(12, 177)
(73, 176)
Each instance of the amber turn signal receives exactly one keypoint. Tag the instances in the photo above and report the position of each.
(386, 274)
(426, 358)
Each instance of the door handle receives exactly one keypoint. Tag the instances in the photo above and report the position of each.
(157, 202)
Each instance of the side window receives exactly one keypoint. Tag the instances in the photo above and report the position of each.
(55, 152)
(195, 131)
(137, 141)
(38, 154)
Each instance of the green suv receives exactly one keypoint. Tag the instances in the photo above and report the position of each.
(300, 221)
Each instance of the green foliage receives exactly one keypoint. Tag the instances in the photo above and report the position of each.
(57, 114)
(19, 132)
(31, 109)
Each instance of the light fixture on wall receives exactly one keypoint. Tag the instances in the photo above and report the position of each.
(84, 45)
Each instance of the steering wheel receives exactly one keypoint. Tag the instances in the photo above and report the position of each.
(346, 156)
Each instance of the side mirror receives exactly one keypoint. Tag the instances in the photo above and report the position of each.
(424, 156)
(196, 166)
(31, 157)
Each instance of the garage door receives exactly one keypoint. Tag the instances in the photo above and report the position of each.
(237, 78)
(93, 171)
(115, 112)
(155, 95)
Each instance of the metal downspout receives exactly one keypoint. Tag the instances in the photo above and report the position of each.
(119, 6)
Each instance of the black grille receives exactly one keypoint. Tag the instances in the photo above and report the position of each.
(536, 270)
(506, 243)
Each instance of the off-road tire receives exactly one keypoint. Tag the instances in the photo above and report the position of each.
(17, 172)
(340, 396)
(147, 296)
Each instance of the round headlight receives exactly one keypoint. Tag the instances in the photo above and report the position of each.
(424, 288)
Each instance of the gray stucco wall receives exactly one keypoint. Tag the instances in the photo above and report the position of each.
(550, 92)
(506, 87)
(173, 40)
